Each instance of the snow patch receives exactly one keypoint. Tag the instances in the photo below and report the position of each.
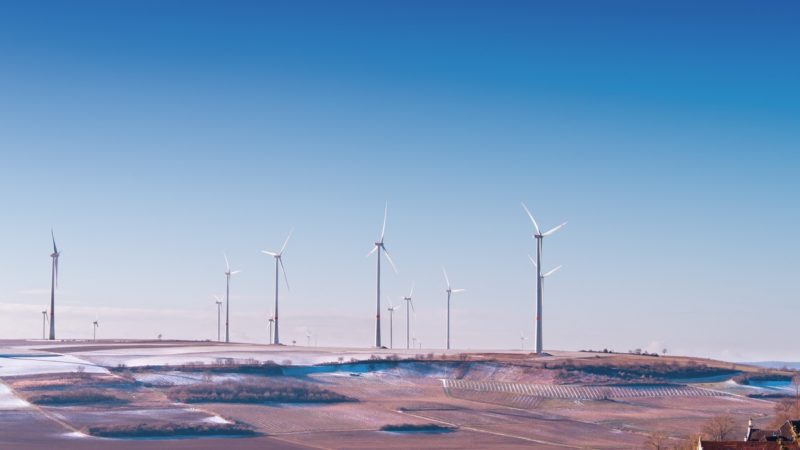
(9, 401)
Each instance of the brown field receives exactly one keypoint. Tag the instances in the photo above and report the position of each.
(493, 400)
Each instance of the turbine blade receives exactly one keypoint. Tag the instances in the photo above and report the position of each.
(551, 272)
(227, 264)
(385, 213)
(372, 251)
(447, 280)
(389, 258)
(535, 225)
(411, 294)
(457, 290)
(548, 233)
(286, 242)
(412, 307)
(55, 249)
(235, 272)
(283, 269)
(269, 253)
(532, 260)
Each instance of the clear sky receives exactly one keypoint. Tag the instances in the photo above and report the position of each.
(153, 136)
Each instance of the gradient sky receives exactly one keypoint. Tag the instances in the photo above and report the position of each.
(153, 136)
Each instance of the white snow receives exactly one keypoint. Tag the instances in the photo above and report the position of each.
(9, 401)
(32, 364)
(217, 419)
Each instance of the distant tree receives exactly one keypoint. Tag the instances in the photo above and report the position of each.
(657, 440)
(796, 386)
(720, 428)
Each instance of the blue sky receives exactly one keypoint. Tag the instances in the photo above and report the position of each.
(153, 136)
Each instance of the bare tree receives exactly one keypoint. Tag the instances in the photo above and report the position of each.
(720, 428)
(657, 440)
(796, 386)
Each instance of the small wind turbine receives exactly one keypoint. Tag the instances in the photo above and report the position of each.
(539, 236)
(94, 330)
(391, 310)
(44, 322)
(228, 274)
(378, 247)
(449, 291)
(278, 262)
(271, 321)
(53, 286)
(218, 301)
(409, 308)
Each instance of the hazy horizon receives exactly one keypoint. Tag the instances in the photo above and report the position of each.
(153, 137)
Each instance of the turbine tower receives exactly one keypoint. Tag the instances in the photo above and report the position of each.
(44, 323)
(378, 247)
(409, 307)
(271, 321)
(94, 330)
(53, 286)
(449, 291)
(278, 262)
(539, 236)
(218, 301)
(391, 310)
(228, 274)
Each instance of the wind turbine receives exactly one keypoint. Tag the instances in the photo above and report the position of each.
(228, 274)
(308, 338)
(409, 307)
(391, 310)
(94, 330)
(218, 301)
(378, 247)
(449, 291)
(522, 339)
(44, 322)
(271, 321)
(539, 236)
(53, 286)
(278, 262)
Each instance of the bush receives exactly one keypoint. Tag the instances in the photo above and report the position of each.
(75, 397)
(256, 391)
(169, 430)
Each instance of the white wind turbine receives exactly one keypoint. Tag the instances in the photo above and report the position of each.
(94, 329)
(228, 274)
(44, 322)
(308, 338)
(218, 301)
(449, 291)
(539, 236)
(278, 262)
(53, 286)
(391, 310)
(378, 247)
(409, 308)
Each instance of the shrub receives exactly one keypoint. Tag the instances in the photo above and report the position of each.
(75, 397)
(255, 391)
(169, 430)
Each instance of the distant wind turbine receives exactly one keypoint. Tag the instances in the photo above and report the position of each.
(449, 291)
(539, 236)
(308, 338)
(53, 286)
(409, 308)
(278, 262)
(522, 339)
(391, 310)
(44, 322)
(378, 247)
(94, 330)
(218, 301)
(228, 274)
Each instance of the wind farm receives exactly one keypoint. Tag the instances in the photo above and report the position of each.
(141, 141)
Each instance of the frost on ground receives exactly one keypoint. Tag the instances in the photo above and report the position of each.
(9, 401)
(34, 364)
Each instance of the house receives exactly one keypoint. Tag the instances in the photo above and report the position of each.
(784, 438)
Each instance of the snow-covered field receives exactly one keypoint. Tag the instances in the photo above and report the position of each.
(9, 401)
(15, 364)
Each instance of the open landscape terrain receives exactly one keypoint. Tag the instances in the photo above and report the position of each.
(135, 394)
